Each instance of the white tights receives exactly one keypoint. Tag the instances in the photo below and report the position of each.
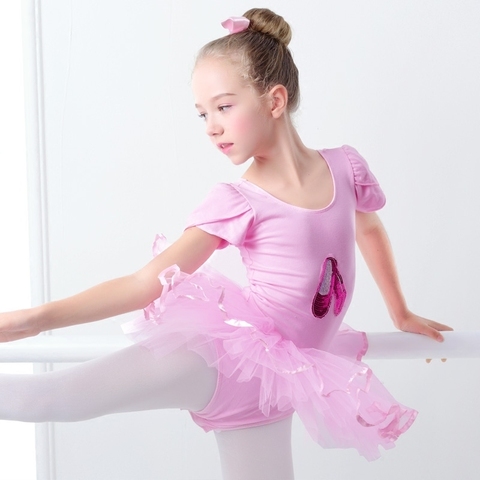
(133, 380)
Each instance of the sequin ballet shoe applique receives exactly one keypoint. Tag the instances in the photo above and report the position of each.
(330, 287)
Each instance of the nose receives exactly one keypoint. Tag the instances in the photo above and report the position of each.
(213, 127)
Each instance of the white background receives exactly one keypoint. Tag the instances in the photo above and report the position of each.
(127, 157)
(17, 453)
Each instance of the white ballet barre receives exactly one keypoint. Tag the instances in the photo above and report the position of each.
(382, 345)
(59, 349)
(400, 345)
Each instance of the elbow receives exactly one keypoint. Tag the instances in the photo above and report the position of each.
(146, 290)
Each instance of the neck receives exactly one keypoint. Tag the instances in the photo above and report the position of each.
(286, 159)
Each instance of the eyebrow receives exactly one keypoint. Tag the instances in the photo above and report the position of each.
(216, 97)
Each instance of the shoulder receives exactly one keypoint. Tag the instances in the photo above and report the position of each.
(361, 171)
(226, 190)
(353, 161)
(225, 213)
(369, 195)
(226, 196)
(224, 202)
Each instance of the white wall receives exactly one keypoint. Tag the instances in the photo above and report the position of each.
(17, 440)
(126, 157)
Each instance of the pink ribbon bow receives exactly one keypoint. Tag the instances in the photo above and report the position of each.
(236, 24)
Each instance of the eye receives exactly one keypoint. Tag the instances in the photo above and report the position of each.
(224, 108)
(202, 116)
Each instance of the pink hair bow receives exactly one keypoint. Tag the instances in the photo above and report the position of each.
(236, 24)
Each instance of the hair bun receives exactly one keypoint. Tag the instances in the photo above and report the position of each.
(265, 21)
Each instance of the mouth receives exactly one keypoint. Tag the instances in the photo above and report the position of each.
(224, 147)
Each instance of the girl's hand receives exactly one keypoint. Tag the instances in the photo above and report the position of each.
(415, 324)
(16, 325)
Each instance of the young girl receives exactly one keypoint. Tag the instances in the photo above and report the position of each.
(243, 360)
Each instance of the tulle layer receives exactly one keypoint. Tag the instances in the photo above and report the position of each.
(337, 397)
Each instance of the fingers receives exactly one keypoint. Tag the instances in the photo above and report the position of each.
(440, 326)
(432, 333)
(425, 327)
(434, 329)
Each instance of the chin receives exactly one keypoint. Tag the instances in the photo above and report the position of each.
(237, 160)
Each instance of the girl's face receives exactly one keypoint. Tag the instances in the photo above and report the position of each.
(235, 116)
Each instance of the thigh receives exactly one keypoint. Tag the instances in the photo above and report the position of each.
(257, 453)
(135, 379)
(128, 380)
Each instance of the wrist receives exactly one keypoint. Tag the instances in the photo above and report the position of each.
(37, 318)
(398, 315)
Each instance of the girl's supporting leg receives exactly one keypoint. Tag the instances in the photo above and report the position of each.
(129, 380)
(257, 453)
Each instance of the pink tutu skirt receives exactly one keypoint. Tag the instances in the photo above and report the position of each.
(337, 397)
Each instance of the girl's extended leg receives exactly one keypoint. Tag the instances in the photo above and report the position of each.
(257, 453)
(129, 380)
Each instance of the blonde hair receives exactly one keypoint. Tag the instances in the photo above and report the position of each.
(262, 54)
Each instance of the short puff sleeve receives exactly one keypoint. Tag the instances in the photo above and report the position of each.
(224, 213)
(370, 196)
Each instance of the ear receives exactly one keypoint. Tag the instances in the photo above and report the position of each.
(278, 96)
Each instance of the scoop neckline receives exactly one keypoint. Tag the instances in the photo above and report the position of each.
(290, 205)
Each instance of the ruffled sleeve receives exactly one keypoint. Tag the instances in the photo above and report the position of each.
(370, 196)
(225, 213)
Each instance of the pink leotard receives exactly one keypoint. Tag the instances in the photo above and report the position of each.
(284, 247)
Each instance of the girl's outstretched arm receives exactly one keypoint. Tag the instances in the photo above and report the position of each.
(375, 246)
(114, 297)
